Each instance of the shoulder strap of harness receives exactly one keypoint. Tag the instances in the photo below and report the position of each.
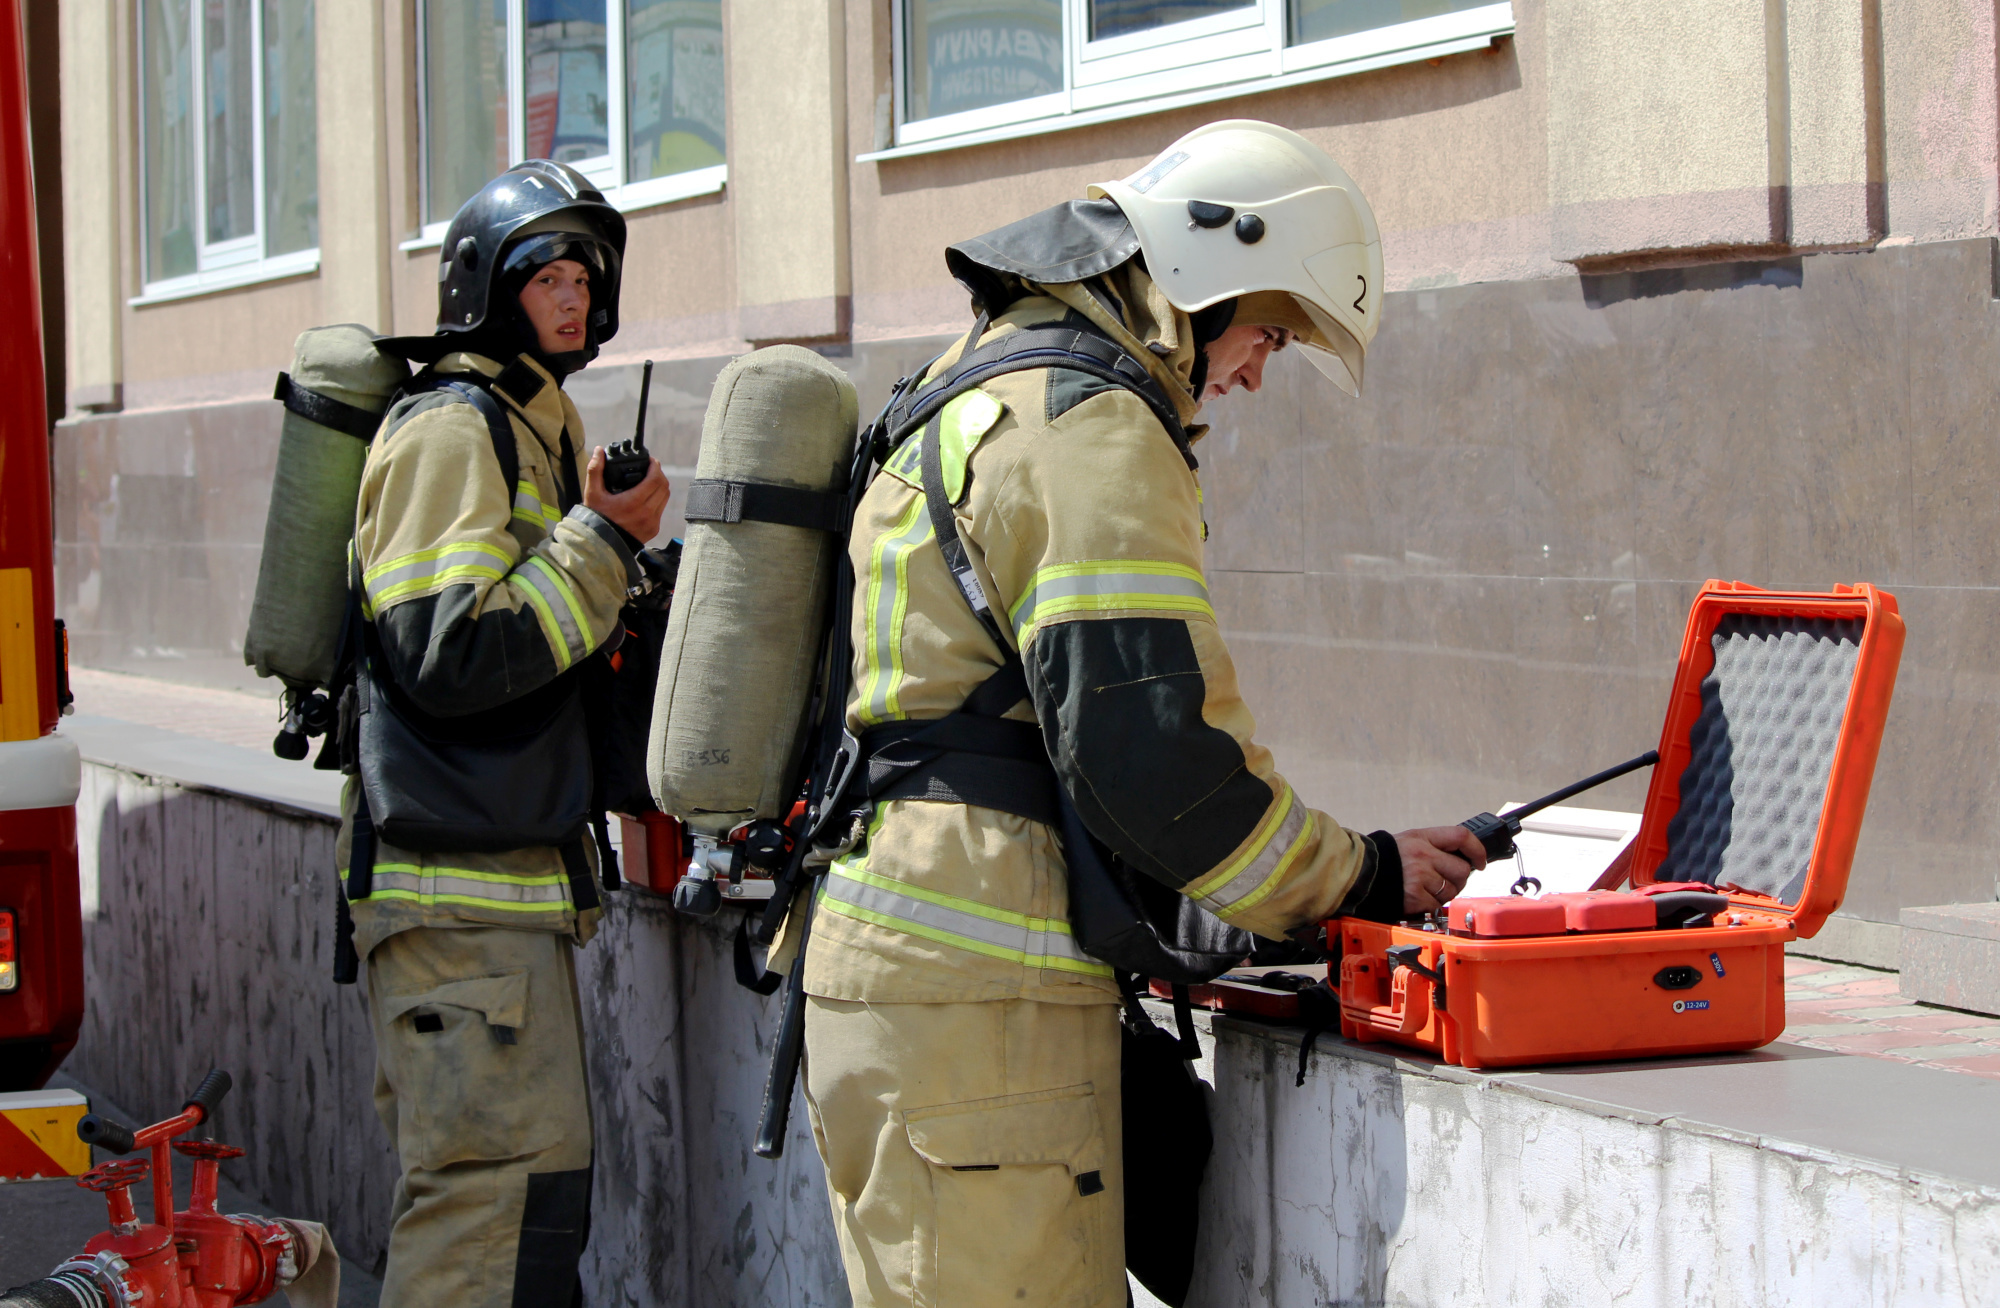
(497, 427)
(1078, 348)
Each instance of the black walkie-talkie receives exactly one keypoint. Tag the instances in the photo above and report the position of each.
(626, 463)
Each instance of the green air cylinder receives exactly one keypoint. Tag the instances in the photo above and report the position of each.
(750, 603)
(334, 398)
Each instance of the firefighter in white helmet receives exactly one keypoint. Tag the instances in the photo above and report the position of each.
(962, 1064)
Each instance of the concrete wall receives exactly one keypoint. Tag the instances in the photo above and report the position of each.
(208, 942)
(1465, 588)
(208, 931)
(788, 168)
(92, 199)
(1603, 131)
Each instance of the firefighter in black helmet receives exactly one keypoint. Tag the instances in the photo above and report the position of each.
(486, 597)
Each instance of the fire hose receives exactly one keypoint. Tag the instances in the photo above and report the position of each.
(195, 1258)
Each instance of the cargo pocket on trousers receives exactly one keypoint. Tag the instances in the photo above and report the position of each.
(1017, 1206)
(465, 1084)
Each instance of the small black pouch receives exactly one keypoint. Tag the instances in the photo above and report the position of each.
(507, 778)
(618, 694)
(1138, 924)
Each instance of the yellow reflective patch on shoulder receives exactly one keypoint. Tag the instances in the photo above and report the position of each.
(964, 421)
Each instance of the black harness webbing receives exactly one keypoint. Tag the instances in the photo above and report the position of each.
(325, 410)
(975, 755)
(1078, 349)
(362, 845)
(715, 500)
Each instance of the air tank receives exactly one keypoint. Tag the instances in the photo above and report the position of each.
(334, 397)
(751, 602)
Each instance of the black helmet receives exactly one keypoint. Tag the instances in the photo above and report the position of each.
(535, 212)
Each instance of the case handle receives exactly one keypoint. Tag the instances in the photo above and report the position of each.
(1407, 1010)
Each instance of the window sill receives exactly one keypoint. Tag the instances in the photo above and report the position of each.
(302, 264)
(1434, 38)
(626, 199)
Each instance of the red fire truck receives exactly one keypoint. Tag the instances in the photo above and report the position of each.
(41, 932)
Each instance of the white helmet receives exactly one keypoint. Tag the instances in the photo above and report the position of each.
(1241, 207)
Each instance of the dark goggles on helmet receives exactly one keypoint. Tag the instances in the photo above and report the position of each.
(547, 247)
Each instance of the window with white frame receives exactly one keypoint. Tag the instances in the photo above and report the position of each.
(972, 70)
(229, 142)
(628, 92)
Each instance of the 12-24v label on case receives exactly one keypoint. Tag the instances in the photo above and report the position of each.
(1689, 1005)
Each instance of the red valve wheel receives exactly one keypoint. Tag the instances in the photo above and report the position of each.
(206, 1149)
(116, 1173)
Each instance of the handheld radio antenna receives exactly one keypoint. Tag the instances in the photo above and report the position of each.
(1497, 833)
(626, 463)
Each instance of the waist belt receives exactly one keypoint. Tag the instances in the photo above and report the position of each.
(973, 756)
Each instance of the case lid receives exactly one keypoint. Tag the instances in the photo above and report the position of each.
(1769, 746)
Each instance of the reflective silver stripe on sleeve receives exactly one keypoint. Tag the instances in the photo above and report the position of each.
(1250, 877)
(1105, 588)
(415, 574)
(552, 603)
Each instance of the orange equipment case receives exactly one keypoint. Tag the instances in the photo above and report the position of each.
(1759, 792)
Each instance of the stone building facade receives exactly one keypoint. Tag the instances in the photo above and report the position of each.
(1676, 292)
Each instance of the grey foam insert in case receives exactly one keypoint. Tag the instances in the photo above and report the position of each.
(1761, 751)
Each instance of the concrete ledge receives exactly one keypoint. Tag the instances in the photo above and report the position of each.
(1843, 939)
(1786, 1176)
(1950, 955)
(195, 764)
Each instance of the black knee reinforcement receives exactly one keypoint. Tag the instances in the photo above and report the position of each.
(555, 1224)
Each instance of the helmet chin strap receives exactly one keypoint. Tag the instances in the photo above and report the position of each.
(1209, 324)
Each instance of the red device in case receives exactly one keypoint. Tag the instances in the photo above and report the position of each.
(1768, 750)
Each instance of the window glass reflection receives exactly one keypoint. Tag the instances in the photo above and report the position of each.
(673, 76)
(1109, 18)
(229, 149)
(166, 95)
(568, 109)
(969, 54)
(291, 129)
(465, 101)
(1321, 20)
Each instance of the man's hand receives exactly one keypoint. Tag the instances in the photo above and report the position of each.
(637, 510)
(1436, 863)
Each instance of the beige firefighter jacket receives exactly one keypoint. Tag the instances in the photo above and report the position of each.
(480, 593)
(1083, 522)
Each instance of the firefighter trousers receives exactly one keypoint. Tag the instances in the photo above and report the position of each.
(479, 1081)
(972, 1151)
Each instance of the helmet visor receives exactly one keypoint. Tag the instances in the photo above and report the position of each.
(1333, 351)
(547, 247)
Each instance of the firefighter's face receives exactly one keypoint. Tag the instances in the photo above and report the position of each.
(557, 302)
(1237, 358)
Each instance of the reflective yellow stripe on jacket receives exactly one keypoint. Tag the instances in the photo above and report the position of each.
(854, 892)
(528, 506)
(559, 609)
(429, 570)
(1246, 880)
(494, 891)
(1108, 586)
(885, 600)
